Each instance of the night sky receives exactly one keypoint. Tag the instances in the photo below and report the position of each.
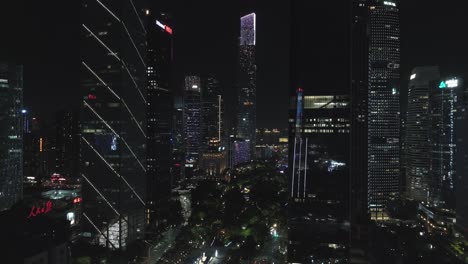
(44, 36)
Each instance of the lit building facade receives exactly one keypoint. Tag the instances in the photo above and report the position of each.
(319, 134)
(192, 122)
(239, 152)
(383, 107)
(11, 134)
(246, 119)
(213, 156)
(212, 101)
(113, 134)
(418, 122)
(159, 117)
(444, 100)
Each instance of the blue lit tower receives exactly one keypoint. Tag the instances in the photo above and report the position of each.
(383, 106)
(11, 134)
(246, 119)
(113, 134)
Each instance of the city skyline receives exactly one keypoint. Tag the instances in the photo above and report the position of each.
(211, 132)
(42, 46)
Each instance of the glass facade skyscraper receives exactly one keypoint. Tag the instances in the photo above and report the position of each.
(192, 122)
(159, 117)
(418, 131)
(383, 106)
(113, 135)
(246, 119)
(444, 101)
(11, 134)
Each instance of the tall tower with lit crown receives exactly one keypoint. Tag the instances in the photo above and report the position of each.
(246, 119)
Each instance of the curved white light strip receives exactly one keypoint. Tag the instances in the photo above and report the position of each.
(112, 169)
(120, 60)
(131, 39)
(100, 194)
(112, 91)
(100, 41)
(108, 10)
(138, 16)
(115, 133)
(97, 229)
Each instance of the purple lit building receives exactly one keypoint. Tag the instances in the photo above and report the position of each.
(240, 152)
(246, 119)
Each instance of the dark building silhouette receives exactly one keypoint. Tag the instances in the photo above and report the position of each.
(319, 133)
(67, 143)
(461, 130)
(160, 108)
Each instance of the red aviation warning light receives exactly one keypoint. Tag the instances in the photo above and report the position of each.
(168, 29)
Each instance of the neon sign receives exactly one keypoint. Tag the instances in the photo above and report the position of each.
(168, 29)
(442, 85)
(448, 84)
(452, 83)
(35, 211)
(165, 27)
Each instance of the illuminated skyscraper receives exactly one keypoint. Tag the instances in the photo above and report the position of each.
(159, 117)
(319, 133)
(113, 135)
(212, 102)
(11, 134)
(192, 121)
(418, 124)
(246, 119)
(213, 160)
(444, 101)
(383, 106)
